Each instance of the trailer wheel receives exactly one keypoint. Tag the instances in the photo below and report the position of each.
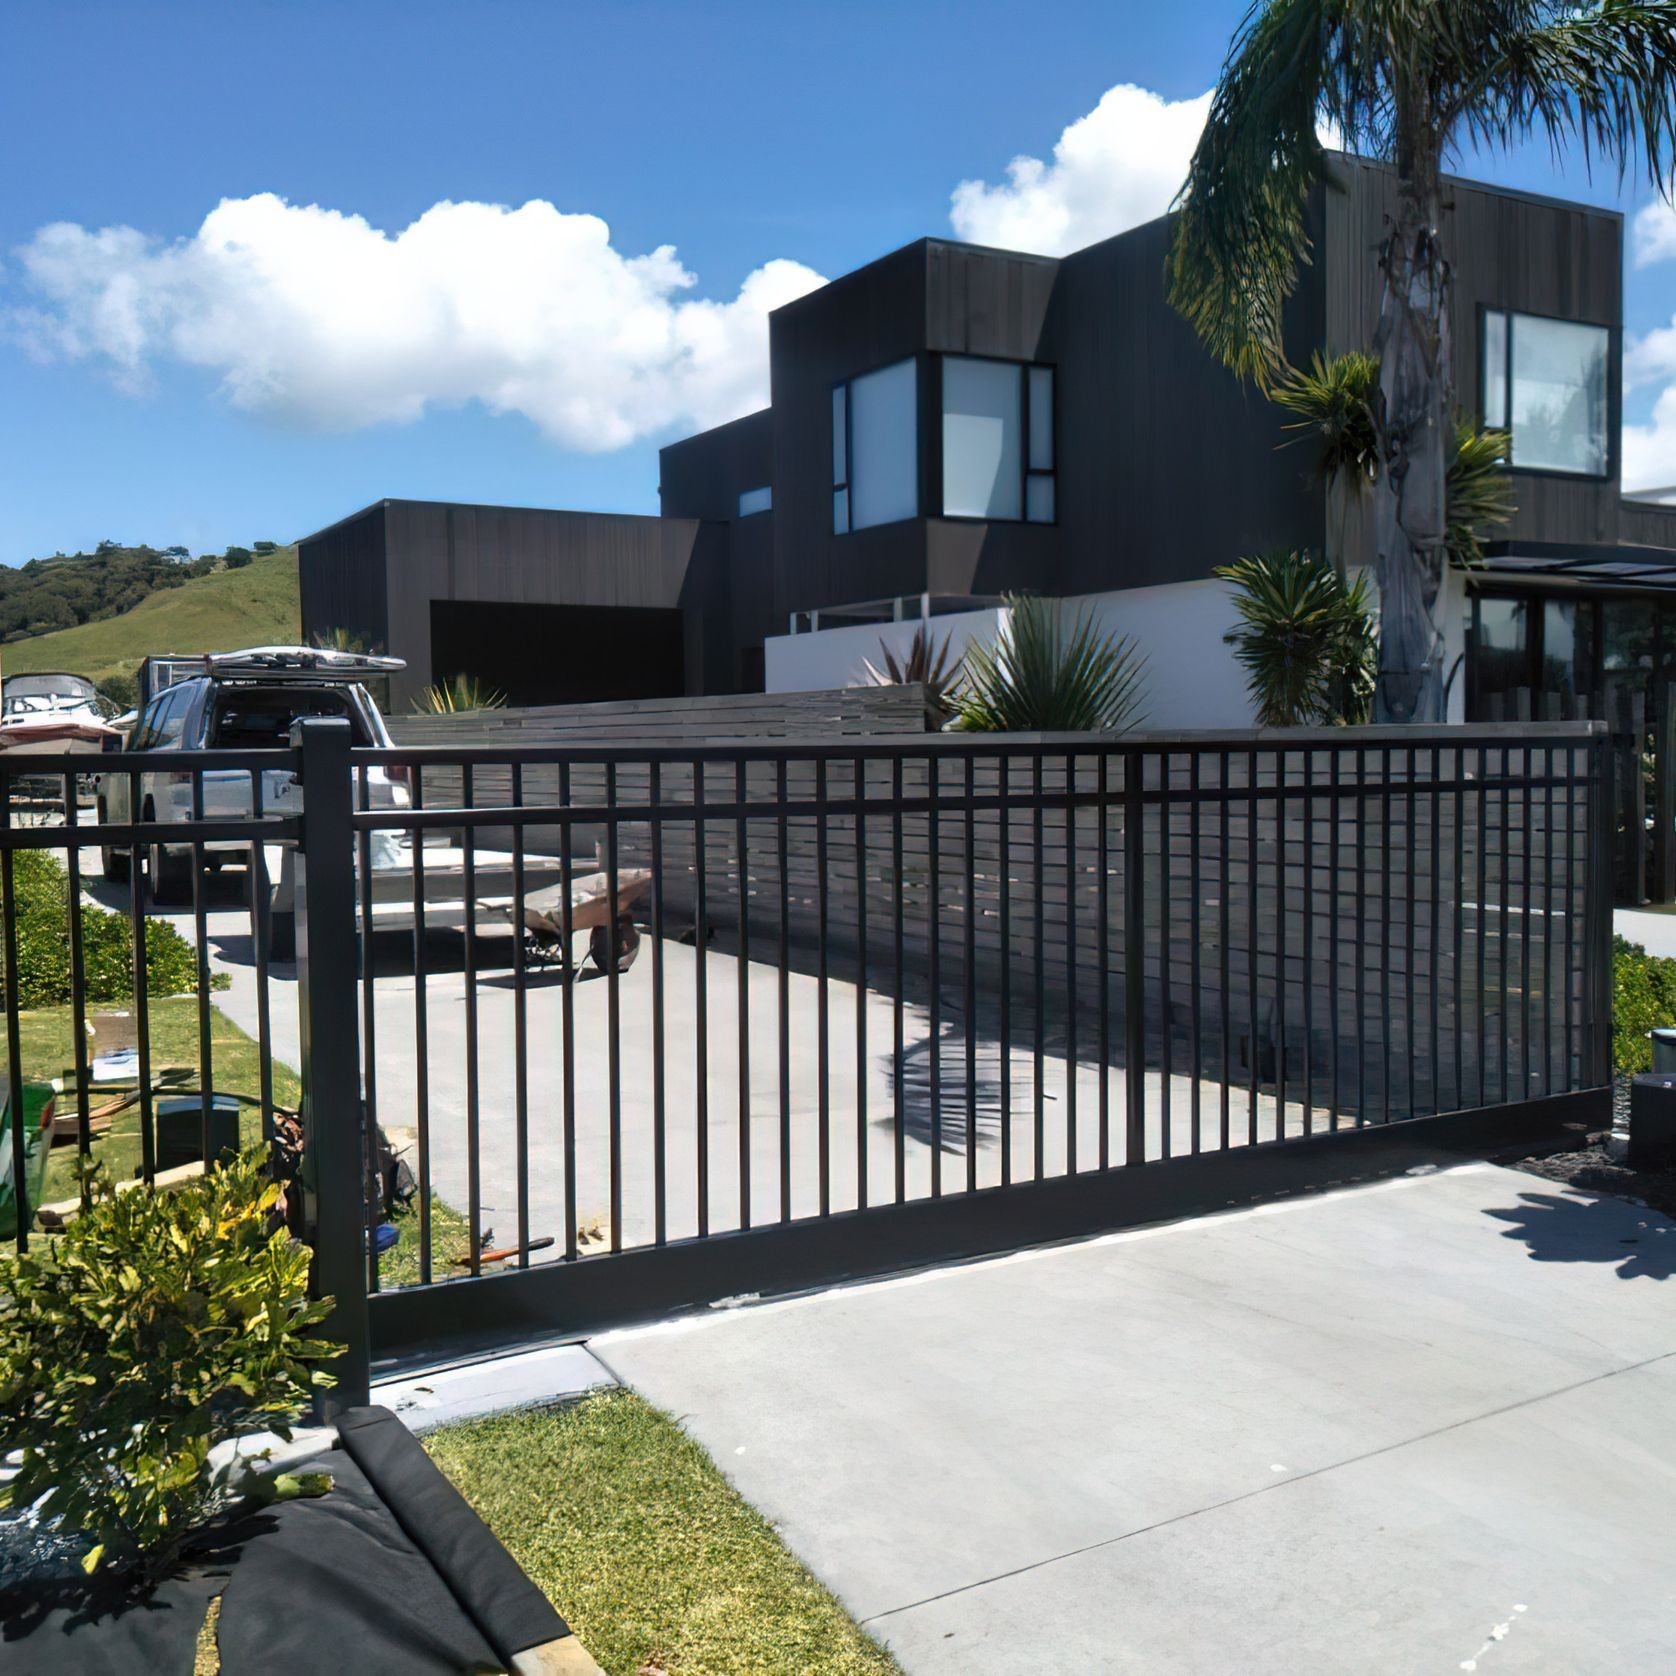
(627, 941)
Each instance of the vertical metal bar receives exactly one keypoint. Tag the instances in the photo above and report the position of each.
(1527, 802)
(1334, 982)
(971, 977)
(1573, 1067)
(1434, 871)
(861, 991)
(1134, 961)
(200, 931)
(701, 996)
(1003, 837)
(1071, 888)
(1411, 816)
(1505, 882)
(784, 979)
(1166, 1019)
(369, 1049)
(1598, 953)
(1282, 899)
(1105, 980)
(78, 984)
(1483, 918)
(1385, 933)
(613, 1011)
(933, 920)
(520, 1029)
(421, 1028)
(261, 917)
(899, 890)
(1309, 939)
(334, 1135)
(742, 838)
(142, 997)
(1039, 964)
(1361, 938)
(567, 1027)
(14, 1034)
(1194, 898)
(1548, 922)
(1459, 897)
(474, 1154)
(1224, 953)
(1253, 882)
(823, 1044)
(660, 1115)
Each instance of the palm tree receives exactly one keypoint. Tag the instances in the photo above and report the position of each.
(1044, 677)
(1405, 81)
(927, 664)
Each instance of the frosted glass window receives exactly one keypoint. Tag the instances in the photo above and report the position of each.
(840, 426)
(1038, 498)
(1495, 370)
(1041, 418)
(840, 511)
(753, 501)
(983, 472)
(883, 447)
(1558, 396)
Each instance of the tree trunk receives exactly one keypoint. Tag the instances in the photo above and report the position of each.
(1415, 401)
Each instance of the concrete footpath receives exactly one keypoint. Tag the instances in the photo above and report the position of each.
(1421, 1426)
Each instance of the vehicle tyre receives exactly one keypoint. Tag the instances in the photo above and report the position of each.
(171, 875)
(113, 863)
(282, 937)
(627, 941)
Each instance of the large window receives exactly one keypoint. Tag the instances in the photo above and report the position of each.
(997, 440)
(875, 448)
(1545, 381)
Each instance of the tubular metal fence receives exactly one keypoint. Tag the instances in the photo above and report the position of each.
(657, 1025)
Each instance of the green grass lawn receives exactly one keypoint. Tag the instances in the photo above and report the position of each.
(651, 1556)
(254, 606)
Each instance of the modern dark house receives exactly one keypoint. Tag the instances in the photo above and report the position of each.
(951, 423)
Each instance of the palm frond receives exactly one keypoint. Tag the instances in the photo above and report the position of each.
(458, 693)
(1334, 401)
(1307, 639)
(1603, 74)
(1046, 676)
(1480, 492)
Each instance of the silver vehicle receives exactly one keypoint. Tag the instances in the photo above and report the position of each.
(242, 701)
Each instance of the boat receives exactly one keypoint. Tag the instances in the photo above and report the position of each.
(55, 713)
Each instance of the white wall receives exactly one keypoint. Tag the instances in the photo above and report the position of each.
(835, 657)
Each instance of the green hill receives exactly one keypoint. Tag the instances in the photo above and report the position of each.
(253, 606)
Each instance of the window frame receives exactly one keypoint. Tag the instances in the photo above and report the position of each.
(1026, 470)
(1610, 468)
(846, 487)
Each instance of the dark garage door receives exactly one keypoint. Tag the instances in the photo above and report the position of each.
(560, 654)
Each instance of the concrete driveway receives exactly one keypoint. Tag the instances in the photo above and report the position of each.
(1423, 1426)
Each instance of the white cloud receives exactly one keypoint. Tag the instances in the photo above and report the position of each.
(1650, 450)
(1114, 168)
(323, 320)
(1654, 233)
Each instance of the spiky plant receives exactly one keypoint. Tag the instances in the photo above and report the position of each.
(458, 693)
(934, 667)
(1307, 638)
(1335, 402)
(341, 639)
(1409, 82)
(1044, 675)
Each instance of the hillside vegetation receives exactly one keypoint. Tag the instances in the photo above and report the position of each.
(253, 605)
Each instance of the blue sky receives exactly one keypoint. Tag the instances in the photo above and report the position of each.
(180, 399)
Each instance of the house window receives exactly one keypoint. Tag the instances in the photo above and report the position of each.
(1545, 381)
(753, 501)
(997, 440)
(875, 448)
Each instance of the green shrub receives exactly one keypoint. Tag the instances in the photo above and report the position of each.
(157, 1325)
(1643, 999)
(42, 894)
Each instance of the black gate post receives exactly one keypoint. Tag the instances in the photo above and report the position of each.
(1597, 918)
(334, 1159)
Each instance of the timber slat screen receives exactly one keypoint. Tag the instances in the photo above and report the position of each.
(875, 972)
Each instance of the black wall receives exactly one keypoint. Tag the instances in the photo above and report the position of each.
(341, 579)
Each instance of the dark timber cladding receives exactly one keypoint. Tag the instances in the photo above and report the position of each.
(424, 554)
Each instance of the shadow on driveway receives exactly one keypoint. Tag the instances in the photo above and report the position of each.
(1575, 1228)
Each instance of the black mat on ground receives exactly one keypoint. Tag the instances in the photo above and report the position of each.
(329, 1584)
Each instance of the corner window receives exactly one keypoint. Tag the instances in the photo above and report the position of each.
(997, 440)
(1545, 382)
(753, 501)
(875, 448)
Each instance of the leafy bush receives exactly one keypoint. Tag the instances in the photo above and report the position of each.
(1307, 639)
(42, 892)
(1042, 676)
(159, 1324)
(1643, 999)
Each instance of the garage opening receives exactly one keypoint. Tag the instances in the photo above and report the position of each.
(560, 654)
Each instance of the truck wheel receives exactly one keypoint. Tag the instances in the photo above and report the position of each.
(171, 875)
(282, 936)
(627, 941)
(113, 863)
